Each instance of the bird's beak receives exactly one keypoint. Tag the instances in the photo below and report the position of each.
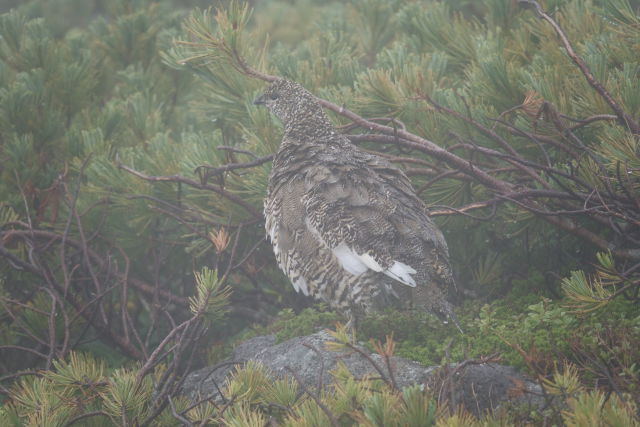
(259, 100)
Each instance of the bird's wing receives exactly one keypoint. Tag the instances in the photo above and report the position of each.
(285, 227)
(366, 212)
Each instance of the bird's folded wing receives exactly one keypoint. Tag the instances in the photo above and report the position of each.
(356, 213)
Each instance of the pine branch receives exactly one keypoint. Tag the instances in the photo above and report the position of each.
(201, 186)
(622, 115)
(332, 418)
(498, 186)
(215, 171)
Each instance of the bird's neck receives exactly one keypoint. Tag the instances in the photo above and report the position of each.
(309, 126)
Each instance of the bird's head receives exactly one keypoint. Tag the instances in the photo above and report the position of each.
(291, 103)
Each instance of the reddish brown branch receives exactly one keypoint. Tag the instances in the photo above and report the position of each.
(623, 116)
(424, 145)
(373, 363)
(214, 171)
(332, 418)
(512, 153)
(102, 263)
(177, 178)
(499, 186)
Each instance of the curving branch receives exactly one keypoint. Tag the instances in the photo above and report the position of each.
(622, 115)
(219, 170)
(201, 186)
(510, 176)
(504, 189)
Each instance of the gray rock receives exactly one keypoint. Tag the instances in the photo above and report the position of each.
(486, 386)
(478, 387)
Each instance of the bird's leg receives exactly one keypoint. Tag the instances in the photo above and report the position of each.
(450, 315)
(455, 322)
(446, 314)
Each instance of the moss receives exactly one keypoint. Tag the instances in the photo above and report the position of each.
(309, 321)
(543, 329)
(288, 324)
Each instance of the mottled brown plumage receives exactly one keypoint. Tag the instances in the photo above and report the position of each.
(346, 226)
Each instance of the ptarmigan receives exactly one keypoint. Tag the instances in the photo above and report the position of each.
(346, 226)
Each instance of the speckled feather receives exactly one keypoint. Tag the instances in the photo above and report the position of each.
(346, 226)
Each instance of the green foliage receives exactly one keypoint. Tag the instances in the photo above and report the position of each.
(242, 415)
(589, 294)
(126, 397)
(210, 300)
(586, 295)
(82, 370)
(419, 409)
(256, 397)
(289, 324)
(594, 409)
(565, 383)
(283, 392)
(248, 382)
(78, 386)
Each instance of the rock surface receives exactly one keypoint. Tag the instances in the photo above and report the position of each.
(479, 387)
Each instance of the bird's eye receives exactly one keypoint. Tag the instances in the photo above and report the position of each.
(273, 96)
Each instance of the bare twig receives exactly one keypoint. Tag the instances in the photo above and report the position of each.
(332, 418)
(177, 416)
(177, 178)
(373, 363)
(213, 171)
